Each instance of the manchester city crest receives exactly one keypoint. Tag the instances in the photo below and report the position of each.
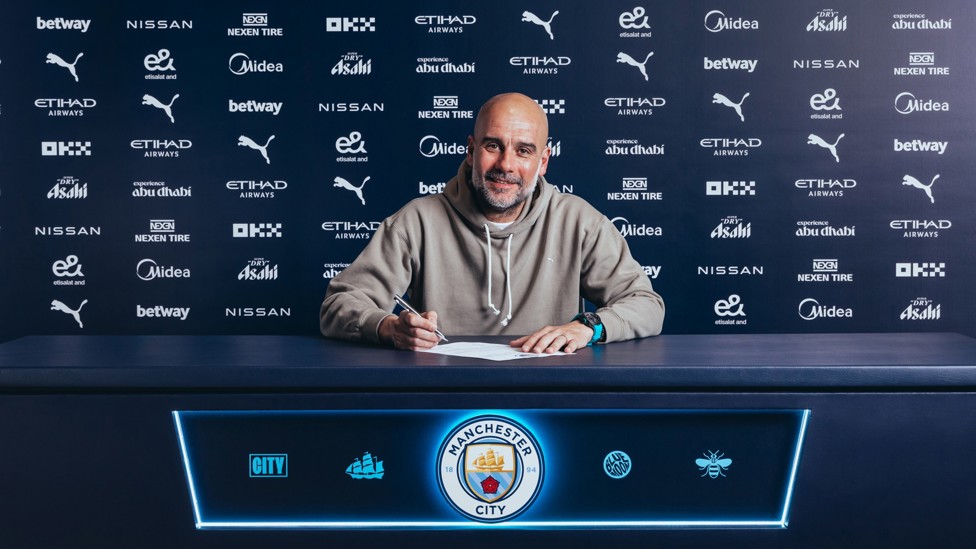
(490, 468)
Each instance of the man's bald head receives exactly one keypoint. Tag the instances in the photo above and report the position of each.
(516, 105)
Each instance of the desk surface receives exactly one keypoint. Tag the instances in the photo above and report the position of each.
(892, 361)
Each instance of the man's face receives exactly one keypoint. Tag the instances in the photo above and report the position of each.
(507, 155)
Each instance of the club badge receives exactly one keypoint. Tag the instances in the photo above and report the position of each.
(490, 468)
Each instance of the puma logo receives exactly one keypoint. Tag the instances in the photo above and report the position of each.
(245, 141)
(912, 182)
(817, 140)
(529, 17)
(342, 183)
(55, 60)
(722, 100)
(150, 100)
(58, 306)
(624, 58)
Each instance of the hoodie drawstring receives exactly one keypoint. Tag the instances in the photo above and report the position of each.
(508, 278)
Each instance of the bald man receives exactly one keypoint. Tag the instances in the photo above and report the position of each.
(500, 252)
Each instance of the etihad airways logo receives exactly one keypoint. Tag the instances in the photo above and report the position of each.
(354, 230)
(65, 106)
(161, 148)
(920, 228)
(825, 187)
(634, 106)
(717, 21)
(544, 65)
(731, 146)
(441, 24)
(241, 64)
(61, 23)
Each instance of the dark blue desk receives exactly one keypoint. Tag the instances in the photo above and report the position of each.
(90, 455)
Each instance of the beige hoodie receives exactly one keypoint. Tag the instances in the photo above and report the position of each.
(532, 273)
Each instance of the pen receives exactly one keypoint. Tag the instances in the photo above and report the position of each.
(401, 302)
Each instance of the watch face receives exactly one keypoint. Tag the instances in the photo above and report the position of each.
(592, 320)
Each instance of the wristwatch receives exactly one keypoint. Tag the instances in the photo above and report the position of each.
(592, 321)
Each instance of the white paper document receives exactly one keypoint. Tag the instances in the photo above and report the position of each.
(487, 351)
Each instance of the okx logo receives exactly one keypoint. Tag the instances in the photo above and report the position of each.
(490, 468)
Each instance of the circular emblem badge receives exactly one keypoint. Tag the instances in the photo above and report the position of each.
(490, 468)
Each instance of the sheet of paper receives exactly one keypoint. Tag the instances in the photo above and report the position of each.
(487, 351)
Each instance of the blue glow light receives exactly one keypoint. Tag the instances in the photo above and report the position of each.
(202, 523)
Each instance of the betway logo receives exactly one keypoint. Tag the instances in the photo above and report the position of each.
(61, 23)
(726, 63)
(254, 106)
(162, 312)
(917, 145)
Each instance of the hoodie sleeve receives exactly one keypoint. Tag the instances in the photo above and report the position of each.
(616, 283)
(361, 296)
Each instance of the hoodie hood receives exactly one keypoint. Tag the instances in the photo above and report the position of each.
(461, 196)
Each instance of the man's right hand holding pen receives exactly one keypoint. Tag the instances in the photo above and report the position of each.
(410, 331)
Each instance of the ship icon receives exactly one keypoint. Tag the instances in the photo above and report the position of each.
(489, 462)
(366, 467)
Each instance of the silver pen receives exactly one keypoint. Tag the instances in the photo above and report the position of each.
(402, 302)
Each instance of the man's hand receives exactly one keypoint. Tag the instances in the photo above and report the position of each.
(566, 338)
(409, 331)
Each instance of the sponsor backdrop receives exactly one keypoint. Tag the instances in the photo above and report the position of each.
(207, 168)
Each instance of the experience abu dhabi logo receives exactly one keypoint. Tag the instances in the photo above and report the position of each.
(490, 468)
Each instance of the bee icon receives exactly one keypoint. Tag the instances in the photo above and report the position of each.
(714, 465)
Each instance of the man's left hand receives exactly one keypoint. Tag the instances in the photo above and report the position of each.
(566, 338)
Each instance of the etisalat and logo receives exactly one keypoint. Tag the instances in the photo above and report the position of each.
(258, 268)
(634, 106)
(252, 188)
(68, 188)
(445, 24)
(922, 308)
(67, 106)
(71, 67)
(919, 21)
(159, 189)
(162, 231)
(907, 103)
(823, 229)
(825, 188)
(634, 188)
(255, 24)
(352, 64)
(490, 468)
(68, 272)
(446, 106)
(825, 270)
(811, 309)
(636, 23)
(717, 21)
(442, 65)
(147, 269)
(826, 105)
(352, 148)
(731, 146)
(731, 311)
(828, 20)
(732, 227)
(160, 65)
(730, 188)
(921, 63)
(241, 64)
